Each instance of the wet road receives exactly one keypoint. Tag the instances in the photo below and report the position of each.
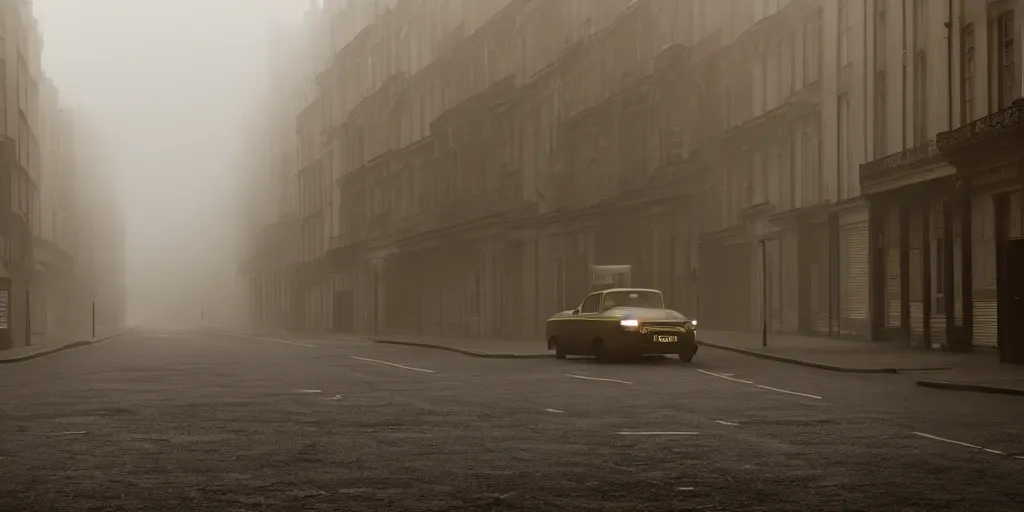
(201, 421)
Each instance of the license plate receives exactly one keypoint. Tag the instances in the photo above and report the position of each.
(661, 337)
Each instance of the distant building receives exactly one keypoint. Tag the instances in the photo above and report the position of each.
(21, 156)
(54, 283)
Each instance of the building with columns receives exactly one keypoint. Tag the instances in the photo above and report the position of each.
(945, 181)
(853, 159)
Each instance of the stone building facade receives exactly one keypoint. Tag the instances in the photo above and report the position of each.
(475, 158)
(945, 192)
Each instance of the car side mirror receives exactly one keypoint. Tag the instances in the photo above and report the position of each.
(576, 311)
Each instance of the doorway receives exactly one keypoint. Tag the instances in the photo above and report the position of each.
(1011, 344)
(343, 311)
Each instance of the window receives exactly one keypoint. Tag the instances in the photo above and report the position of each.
(921, 24)
(843, 155)
(845, 30)
(920, 98)
(967, 70)
(812, 48)
(881, 41)
(1006, 79)
(881, 130)
(591, 304)
(635, 299)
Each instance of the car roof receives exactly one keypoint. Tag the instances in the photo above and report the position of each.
(630, 290)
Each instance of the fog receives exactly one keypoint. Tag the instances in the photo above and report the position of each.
(170, 87)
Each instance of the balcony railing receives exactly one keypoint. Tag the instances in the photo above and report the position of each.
(1008, 119)
(896, 163)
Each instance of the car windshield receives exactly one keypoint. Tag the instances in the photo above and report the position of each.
(634, 299)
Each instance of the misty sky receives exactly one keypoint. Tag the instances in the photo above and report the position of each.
(170, 84)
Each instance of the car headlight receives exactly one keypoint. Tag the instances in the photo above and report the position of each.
(694, 323)
(629, 322)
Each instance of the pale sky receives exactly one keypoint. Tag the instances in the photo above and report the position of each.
(171, 85)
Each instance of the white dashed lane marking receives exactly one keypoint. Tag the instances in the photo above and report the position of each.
(658, 433)
(396, 365)
(726, 377)
(789, 392)
(596, 378)
(769, 388)
(729, 423)
(554, 410)
(961, 443)
(275, 340)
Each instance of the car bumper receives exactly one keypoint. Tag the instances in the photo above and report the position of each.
(637, 343)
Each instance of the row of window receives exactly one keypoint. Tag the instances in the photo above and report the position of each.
(1003, 79)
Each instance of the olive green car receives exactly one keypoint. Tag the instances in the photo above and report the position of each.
(622, 322)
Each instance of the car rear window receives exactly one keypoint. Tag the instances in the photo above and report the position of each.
(635, 299)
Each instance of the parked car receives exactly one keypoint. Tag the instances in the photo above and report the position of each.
(622, 322)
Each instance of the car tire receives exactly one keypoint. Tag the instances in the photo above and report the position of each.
(686, 358)
(559, 351)
(601, 351)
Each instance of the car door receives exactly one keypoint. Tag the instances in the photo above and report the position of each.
(586, 326)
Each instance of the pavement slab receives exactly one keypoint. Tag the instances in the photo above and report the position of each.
(205, 421)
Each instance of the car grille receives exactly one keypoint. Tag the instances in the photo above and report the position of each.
(664, 326)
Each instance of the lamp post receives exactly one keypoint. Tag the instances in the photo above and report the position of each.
(764, 293)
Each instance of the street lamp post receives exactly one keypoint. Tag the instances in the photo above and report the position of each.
(764, 293)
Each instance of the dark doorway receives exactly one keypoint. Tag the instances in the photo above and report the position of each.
(1011, 344)
(343, 311)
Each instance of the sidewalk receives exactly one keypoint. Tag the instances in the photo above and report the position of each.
(503, 349)
(854, 356)
(980, 371)
(43, 345)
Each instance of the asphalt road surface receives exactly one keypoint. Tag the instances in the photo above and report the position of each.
(200, 421)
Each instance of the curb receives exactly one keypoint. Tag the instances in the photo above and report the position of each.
(820, 366)
(976, 388)
(473, 353)
(61, 348)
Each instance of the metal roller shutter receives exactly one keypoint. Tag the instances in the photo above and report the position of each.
(892, 287)
(855, 252)
(985, 323)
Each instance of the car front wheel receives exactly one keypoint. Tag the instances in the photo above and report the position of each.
(559, 351)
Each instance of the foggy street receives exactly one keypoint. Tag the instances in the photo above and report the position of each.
(155, 420)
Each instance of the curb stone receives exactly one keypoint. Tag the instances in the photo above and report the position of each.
(61, 348)
(473, 353)
(820, 366)
(976, 388)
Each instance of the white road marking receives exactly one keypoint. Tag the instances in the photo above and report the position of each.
(275, 340)
(596, 378)
(961, 443)
(684, 488)
(554, 410)
(75, 433)
(308, 391)
(726, 377)
(789, 392)
(396, 365)
(658, 433)
(335, 397)
(727, 423)
(1019, 457)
